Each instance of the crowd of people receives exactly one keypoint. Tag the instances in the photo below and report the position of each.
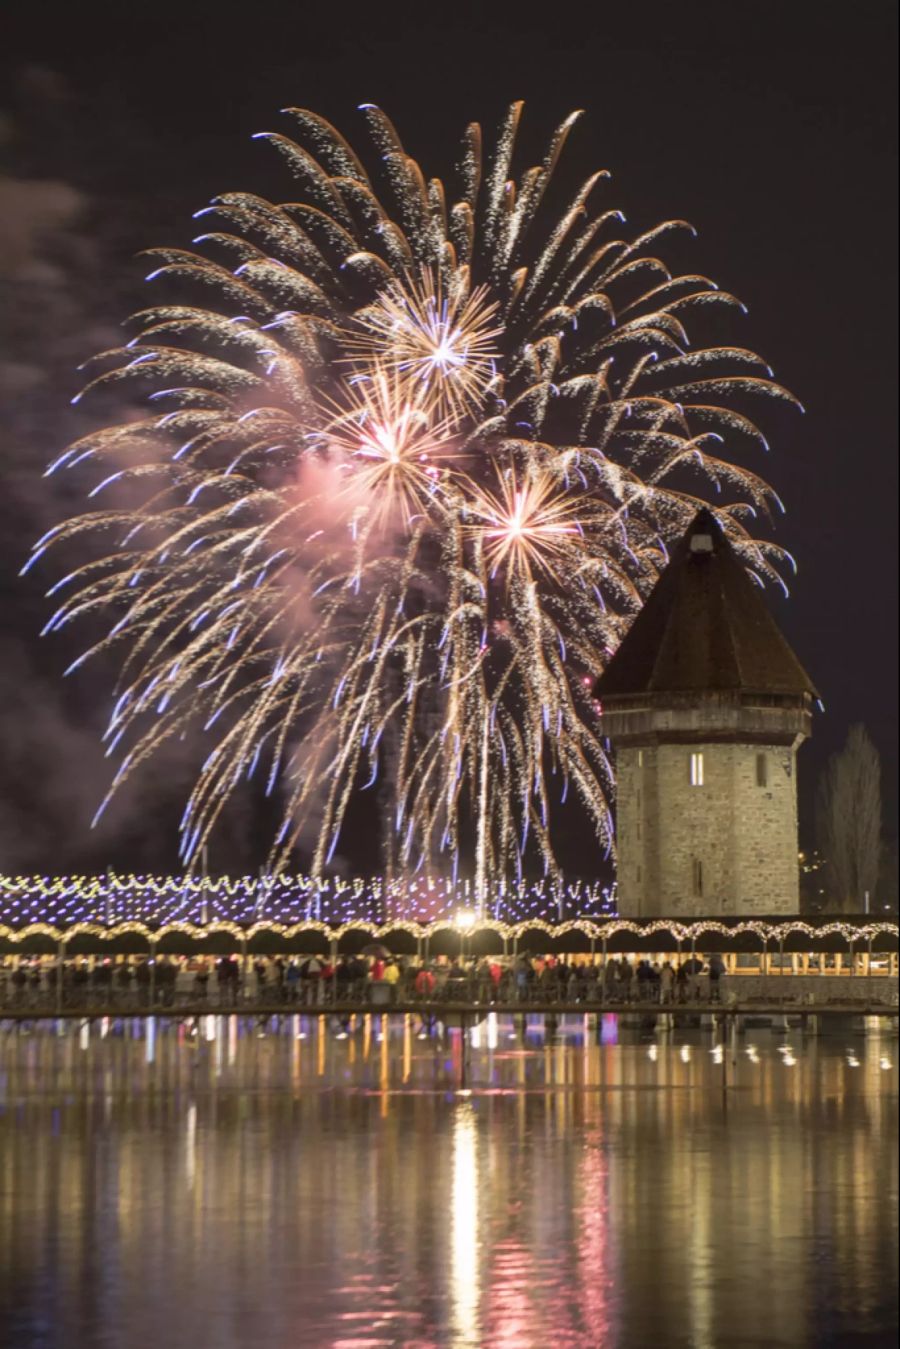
(377, 977)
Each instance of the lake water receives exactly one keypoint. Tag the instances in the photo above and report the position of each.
(231, 1190)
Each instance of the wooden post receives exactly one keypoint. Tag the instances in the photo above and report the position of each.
(603, 972)
(60, 950)
(203, 908)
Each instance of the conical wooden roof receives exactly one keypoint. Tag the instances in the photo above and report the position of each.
(705, 627)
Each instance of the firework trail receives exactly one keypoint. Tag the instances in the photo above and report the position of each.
(398, 491)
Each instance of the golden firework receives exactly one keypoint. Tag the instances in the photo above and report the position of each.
(512, 395)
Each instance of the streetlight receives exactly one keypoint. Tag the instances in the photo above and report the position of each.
(465, 920)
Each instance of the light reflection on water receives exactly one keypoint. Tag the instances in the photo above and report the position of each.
(227, 1188)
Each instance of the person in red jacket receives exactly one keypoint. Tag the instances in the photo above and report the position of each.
(424, 984)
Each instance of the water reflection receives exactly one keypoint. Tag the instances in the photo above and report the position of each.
(239, 1185)
(464, 1276)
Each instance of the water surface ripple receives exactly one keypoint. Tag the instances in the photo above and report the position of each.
(240, 1190)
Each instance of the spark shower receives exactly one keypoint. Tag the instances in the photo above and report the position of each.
(409, 460)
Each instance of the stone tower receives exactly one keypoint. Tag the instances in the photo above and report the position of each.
(706, 706)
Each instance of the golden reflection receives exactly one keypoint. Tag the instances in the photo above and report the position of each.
(464, 1235)
(190, 1145)
(582, 1193)
(383, 1074)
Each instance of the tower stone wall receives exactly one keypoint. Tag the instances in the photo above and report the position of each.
(726, 845)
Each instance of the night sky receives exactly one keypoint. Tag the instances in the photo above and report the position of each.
(768, 126)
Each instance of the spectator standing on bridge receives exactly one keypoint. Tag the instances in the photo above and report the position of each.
(279, 970)
(656, 979)
(233, 972)
(201, 982)
(409, 970)
(716, 970)
(124, 976)
(392, 977)
(19, 982)
(441, 972)
(681, 982)
(343, 976)
(611, 978)
(495, 974)
(666, 983)
(310, 974)
(358, 973)
(142, 979)
(424, 983)
(626, 976)
(522, 975)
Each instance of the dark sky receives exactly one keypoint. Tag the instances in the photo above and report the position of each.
(769, 126)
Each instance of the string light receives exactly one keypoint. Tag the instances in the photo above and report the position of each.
(112, 906)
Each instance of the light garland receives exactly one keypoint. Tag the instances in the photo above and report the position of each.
(65, 901)
(596, 932)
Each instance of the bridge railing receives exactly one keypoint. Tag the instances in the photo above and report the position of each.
(247, 995)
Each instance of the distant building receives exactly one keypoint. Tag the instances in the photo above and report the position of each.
(706, 705)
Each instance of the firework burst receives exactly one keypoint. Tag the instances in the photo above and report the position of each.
(444, 344)
(394, 444)
(532, 525)
(398, 491)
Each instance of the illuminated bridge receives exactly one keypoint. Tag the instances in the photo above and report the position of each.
(57, 931)
(114, 914)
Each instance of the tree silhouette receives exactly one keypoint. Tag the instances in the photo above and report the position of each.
(848, 820)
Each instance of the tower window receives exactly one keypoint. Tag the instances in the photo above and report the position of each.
(696, 770)
(640, 763)
(762, 771)
(697, 876)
